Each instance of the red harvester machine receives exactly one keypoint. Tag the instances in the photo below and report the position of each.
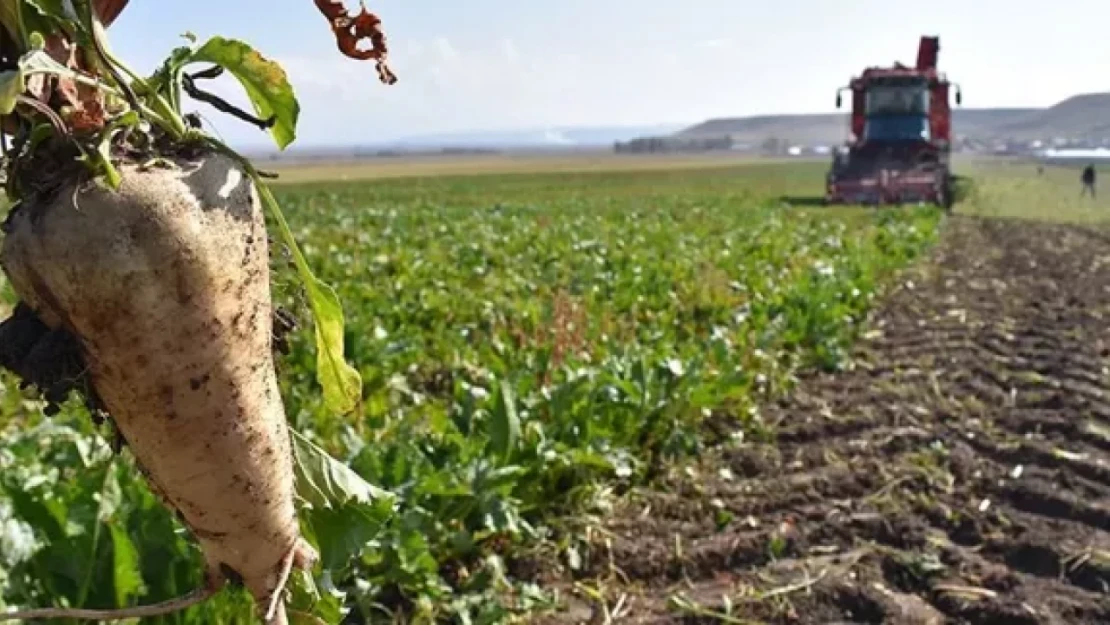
(901, 136)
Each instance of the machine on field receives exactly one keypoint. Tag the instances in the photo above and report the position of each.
(900, 142)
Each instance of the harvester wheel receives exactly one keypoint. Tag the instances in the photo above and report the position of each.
(944, 195)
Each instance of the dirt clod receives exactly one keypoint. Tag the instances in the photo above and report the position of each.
(49, 360)
(52, 362)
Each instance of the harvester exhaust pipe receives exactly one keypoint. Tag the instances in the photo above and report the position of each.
(927, 52)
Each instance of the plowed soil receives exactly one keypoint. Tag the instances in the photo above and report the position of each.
(959, 473)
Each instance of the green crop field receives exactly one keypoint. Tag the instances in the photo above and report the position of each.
(1015, 189)
(531, 345)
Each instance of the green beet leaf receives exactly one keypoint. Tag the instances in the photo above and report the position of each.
(346, 513)
(341, 383)
(265, 82)
(504, 425)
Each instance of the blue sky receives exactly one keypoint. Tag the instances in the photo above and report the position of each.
(503, 64)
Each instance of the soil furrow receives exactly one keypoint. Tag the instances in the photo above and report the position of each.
(960, 473)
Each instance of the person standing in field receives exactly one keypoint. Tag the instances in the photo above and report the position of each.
(1088, 180)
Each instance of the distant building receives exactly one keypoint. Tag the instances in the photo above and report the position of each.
(1091, 154)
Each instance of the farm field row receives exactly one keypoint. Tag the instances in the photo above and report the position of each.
(421, 166)
(528, 343)
(1003, 187)
(956, 472)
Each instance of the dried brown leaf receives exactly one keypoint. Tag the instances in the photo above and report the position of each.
(352, 30)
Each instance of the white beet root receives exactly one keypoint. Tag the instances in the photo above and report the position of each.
(165, 284)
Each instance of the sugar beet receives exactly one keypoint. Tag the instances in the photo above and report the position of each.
(165, 285)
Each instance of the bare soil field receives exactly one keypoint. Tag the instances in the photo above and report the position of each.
(958, 473)
(377, 168)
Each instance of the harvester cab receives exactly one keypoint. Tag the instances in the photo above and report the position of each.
(900, 141)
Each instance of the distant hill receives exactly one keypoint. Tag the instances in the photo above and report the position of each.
(1082, 116)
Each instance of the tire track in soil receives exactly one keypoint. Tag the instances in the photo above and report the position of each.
(959, 473)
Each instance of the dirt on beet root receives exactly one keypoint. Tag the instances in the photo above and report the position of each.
(51, 360)
(959, 473)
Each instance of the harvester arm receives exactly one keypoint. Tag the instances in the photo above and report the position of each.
(927, 52)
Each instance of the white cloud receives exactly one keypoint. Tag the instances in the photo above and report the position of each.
(554, 136)
(446, 85)
(446, 51)
(723, 42)
(509, 49)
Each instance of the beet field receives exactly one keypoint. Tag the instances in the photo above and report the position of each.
(650, 395)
